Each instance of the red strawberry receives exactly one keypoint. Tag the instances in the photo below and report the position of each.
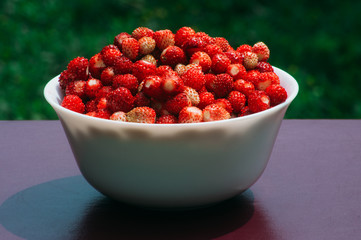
(220, 63)
(167, 119)
(277, 94)
(96, 65)
(102, 104)
(223, 43)
(177, 103)
(193, 95)
(271, 75)
(91, 105)
(244, 48)
(243, 86)
(141, 69)
(159, 107)
(79, 68)
(103, 92)
(252, 76)
(237, 100)
(152, 87)
(109, 54)
(222, 85)
(101, 113)
(190, 115)
(150, 58)
(258, 101)
(192, 45)
(234, 56)
(73, 103)
(172, 55)
(214, 112)
(264, 67)
(146, 45)
(224, 103)
(163, 70)
(203, 60)
(107, 76)
(65, 78)
(141, 100)
(182, 35)
(172, 84)
(244, 112)
(118, 116)
(92, 86)
(130, 48)
(123, 65)
(261, 50)
(76, 88)
(264, 80)
(141, 115)
(194, 78)
(128, 81)
(250, 60)
(205, 99)
(120, 99)
(140, 32)
(212, 49)
(118, 40)
(237, 71)
(164, 38)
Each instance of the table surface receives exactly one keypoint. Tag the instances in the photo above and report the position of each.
(311, 189)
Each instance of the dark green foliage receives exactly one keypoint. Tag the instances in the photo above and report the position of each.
(318, 42)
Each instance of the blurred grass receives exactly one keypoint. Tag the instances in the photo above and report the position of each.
(318, 42)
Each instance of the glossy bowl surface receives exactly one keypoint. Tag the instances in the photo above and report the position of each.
(172, 166)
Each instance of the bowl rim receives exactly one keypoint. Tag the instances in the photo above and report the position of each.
(53, 85)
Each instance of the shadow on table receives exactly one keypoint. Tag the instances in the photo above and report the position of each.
(69, 208)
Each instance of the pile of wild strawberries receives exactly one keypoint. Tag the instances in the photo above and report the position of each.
(164, 77)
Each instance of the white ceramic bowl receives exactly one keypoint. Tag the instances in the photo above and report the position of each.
(172, 166)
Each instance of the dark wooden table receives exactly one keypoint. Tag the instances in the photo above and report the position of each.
(311, 189)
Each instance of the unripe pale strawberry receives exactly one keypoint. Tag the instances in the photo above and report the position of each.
(190, 115)
(214, 112)
(141, 115)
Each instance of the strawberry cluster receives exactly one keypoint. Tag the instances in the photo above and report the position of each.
(164, 77)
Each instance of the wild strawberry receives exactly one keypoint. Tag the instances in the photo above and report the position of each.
(277, 94)
(221, 86)
(141, 115)
(250, 60)
(243, 86)
(166, 119)
(92, 86)
(190, 115)
(182, 35)
(103, 92)
(102, 113)
(223, 43)
(146, 45)
(264, 80)
(159, 107)
(193, 95)
(150, 58)
(107, 75)
(118, 40)
(220, 63)
(180, 69)
(237, 100)
(172, 55)
(76, 88)
(203, 60)
(172, 84)
(91, 114)
(264, 67)
(91, 105)
(244, 112)
(152, 87)
(79, 67)
(194, 78)
(261, 50)
(163, 70)
(73, 103)
(234, 56)
(109, 54)
(141, 69)
(177, 103)
(205, 38)
(130, 48)
(128, 81)
(272, 76)
(205, 99)
(65, 78)
(236, 71)
(120, 99)
(102, 103)
(212, 49)
(214, 112)
(244, 48)
(224, 103)
(141, 100)
(140, 32)
(252, 76)
(192, 45)
(123, 65)
(258, 101)
(164, 38)
(118, 116)
(96, 65)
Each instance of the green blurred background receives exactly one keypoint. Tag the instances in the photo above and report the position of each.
(318, 42)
